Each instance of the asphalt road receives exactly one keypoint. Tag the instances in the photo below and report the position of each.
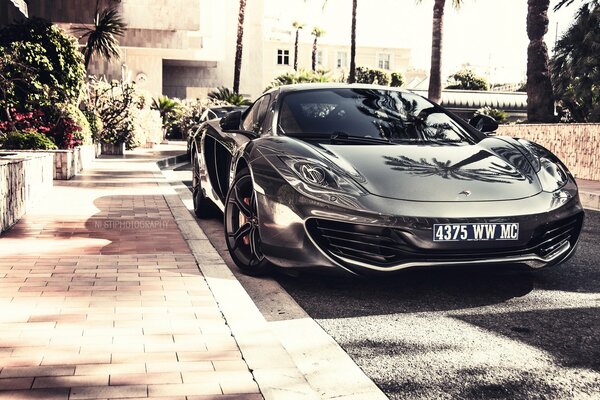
(484, 333)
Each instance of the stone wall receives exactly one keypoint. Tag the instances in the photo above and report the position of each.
(24, 179)
(577, 145)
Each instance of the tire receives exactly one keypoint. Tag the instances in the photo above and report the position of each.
(203, 207)
(241, 223)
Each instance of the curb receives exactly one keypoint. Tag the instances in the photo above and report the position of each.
(169, 161)
(272, 367)
(590, 200)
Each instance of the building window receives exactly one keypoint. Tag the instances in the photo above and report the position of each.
(384, 61)
(283, 57)
(342, 59)
(320, 60)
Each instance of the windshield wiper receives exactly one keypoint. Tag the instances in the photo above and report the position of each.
(343, 137)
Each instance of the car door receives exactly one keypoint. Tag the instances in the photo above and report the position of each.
(220, 148)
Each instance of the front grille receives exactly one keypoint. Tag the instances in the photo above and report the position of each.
(385, 247)
(552, 236)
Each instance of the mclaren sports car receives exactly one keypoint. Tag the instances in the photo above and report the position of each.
(365, 178)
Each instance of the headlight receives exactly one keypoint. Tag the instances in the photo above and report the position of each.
(318, 180)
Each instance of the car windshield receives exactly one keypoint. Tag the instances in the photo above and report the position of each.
(354, 113)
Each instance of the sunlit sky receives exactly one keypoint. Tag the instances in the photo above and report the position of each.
(487, 34)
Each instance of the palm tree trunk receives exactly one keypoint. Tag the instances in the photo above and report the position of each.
(435, 74)
(540, 97)
(314, 55)
(238, 48)
(296, 50)
(352, 74)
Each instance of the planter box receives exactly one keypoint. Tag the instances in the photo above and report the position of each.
(68, 163)
(111, 149)
(25, 177)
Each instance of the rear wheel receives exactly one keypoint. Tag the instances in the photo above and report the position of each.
(203, 207)
(242, 227)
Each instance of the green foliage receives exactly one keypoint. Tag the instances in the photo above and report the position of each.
(302, 76)
(397, 79)
(190, 112)
(26, 140)
(115, 103)
(467, 80)
(374, 76)
(72, 112)
(57, 71)
(225, 94)
(125, 114)
(168, 108)
(101, 38)
(20, 86)
(575, 68)
(95, 123)
(499, 115)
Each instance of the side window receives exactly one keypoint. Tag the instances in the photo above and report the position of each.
(251, 116)
(262, 113)
(256, 115)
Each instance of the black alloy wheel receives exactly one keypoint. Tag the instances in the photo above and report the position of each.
(203, 207)
(242, 227)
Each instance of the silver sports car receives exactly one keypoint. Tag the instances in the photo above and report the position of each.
(364, 178)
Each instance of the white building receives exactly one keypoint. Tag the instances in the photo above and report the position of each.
(185, 48)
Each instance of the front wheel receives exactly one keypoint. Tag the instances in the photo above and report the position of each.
(241, 227)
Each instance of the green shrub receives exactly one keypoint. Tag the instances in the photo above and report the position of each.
(73, 113)
(302, 76)
(58, 67)
(467, 80)
(26, 140)
(374, 76)
(95, 123)
(499, 115)
(397, 79)
(224, 94)
(124, 112)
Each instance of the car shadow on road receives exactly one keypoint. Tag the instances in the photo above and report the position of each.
(407, 291)
(569, 334)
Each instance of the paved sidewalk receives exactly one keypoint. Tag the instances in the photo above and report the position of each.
(589, 193)
(102, 298)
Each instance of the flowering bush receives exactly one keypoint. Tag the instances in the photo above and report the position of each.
(57, 124)
(124, 111)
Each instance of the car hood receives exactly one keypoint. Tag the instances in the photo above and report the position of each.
(490, 170)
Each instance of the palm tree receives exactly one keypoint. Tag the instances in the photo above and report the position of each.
(540, 98)
(297, 25)
(575, 66)
(352, 74)
(435, 74)
(101, 37)
(226, 95)
(237, 69)
(317, 33)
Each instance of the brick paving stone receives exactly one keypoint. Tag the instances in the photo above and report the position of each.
(103, 297)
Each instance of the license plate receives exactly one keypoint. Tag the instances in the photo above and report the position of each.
(475, 232)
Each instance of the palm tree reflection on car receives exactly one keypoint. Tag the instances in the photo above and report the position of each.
(495, 173)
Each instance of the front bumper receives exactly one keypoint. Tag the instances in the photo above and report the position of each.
(299, 232)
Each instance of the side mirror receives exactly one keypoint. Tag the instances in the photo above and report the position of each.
(484, 123)
(231, 121)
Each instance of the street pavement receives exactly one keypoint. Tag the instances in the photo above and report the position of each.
(459, 333)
